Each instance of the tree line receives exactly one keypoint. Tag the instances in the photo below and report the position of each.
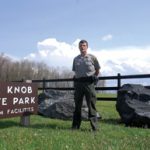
(12, 70)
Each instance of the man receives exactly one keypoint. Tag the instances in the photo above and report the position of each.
(86, 68)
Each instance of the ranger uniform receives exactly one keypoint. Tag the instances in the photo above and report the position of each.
(85, 67)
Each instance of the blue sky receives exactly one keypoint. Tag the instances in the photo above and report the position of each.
(108, 25)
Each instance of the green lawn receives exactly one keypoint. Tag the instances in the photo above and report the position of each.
(53, 134)
(106, 95)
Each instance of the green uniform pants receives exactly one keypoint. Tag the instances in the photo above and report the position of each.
(86, 89)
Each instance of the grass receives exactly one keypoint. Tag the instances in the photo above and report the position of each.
(53, 134)
(106, 95)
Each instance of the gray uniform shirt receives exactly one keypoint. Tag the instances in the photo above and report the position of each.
(85, 66)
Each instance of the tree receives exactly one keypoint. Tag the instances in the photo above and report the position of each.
(17, 70)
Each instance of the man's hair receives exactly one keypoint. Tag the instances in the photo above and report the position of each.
(83, 41)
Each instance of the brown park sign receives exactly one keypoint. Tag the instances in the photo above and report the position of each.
(18, 99)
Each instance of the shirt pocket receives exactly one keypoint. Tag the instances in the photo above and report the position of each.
(89, 66)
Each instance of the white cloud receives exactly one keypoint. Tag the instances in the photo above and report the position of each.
(55, 53)
(124, 60)
(107, 37)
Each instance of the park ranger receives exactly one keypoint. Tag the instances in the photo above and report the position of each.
(86, 68)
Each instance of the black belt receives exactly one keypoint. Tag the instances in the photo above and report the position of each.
(84, 79)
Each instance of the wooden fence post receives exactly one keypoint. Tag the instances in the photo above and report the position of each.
(25, 119)
(44, 84)
(118, 82)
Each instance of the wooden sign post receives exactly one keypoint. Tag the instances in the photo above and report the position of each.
(25, 119)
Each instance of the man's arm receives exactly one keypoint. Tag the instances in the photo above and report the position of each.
(96, 65)
(97, 72)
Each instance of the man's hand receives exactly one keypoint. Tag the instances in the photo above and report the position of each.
(95, 79)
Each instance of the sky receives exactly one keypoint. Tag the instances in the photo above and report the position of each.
(118, 32)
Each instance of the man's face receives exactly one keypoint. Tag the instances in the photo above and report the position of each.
(83, 48)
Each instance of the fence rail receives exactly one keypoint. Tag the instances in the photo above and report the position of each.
(118, 78)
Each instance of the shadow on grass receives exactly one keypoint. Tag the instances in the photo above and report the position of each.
(112, 121)
(55, 126)
(8, 123)
(59, 126)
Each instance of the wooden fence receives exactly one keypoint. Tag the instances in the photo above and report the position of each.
(118, 78)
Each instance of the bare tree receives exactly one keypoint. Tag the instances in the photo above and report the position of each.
(17, 70)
